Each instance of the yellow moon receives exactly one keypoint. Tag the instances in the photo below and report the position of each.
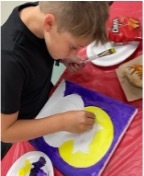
(97, 148)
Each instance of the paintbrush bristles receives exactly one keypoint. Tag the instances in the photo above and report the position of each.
(107, 52)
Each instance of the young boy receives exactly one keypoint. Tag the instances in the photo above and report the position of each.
(33, 37)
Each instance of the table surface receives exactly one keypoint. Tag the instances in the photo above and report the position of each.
(127, 158)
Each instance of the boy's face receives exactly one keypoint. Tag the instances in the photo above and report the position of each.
(62, 45)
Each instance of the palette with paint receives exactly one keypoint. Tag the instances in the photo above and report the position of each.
(32, 163)
(86, 153)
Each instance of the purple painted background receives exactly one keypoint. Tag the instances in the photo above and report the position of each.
(120, 114)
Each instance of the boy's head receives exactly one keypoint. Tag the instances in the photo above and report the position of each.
(82, 19)
(70, 25)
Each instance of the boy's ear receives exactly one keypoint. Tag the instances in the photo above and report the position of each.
(49, 22)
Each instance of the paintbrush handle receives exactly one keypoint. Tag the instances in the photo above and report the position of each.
(88, 59)
(104, 53)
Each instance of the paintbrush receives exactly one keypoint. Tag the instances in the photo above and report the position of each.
(102, 54)
(88, 59)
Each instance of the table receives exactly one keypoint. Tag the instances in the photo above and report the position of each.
(127, 158)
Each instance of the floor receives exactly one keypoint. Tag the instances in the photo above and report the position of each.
(57, 71)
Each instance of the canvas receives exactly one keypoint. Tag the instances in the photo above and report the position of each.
(84, 154)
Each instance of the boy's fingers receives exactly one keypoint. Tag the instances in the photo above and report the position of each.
(74, 67)
(88, 127)
(90, 121)
(90, 115)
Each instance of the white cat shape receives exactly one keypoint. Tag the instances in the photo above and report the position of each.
(81, 141)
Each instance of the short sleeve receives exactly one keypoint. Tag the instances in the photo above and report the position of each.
(12, 80)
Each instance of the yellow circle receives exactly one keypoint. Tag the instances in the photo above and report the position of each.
(97, 148)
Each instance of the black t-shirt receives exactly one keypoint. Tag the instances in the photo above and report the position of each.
(26, 68)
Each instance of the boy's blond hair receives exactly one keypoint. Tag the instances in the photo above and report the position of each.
(80, 18)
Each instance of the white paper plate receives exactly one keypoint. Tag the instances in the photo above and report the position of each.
(33, 157)
(122, 53)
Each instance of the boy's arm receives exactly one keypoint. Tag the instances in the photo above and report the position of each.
(14, 130)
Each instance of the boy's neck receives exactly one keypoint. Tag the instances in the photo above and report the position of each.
(33, 19)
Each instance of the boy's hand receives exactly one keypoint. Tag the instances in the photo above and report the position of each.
(78, 121)
(73, 64)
